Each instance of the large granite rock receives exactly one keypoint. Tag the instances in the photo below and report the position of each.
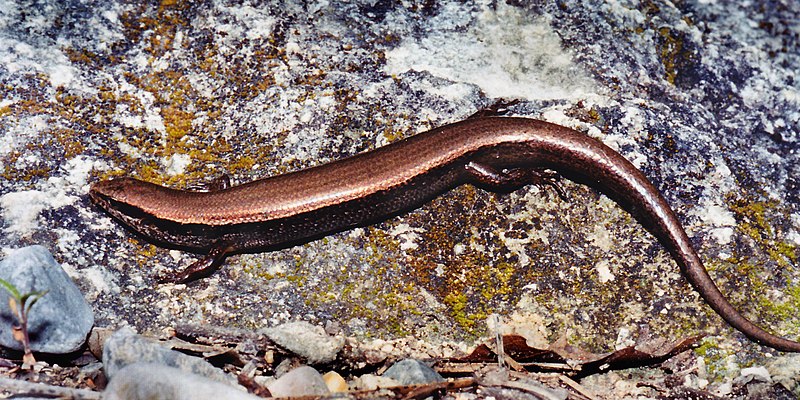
(60, 321)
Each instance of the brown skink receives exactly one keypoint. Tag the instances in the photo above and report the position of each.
(496, 153)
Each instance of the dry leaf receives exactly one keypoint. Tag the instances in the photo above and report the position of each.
(559, 355)
(28, 360)
(12, 304)
(16, 331)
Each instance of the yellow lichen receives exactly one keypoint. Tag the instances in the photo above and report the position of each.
(670, 50)
(757, 221)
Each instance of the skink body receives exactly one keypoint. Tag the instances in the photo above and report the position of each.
(498, 153)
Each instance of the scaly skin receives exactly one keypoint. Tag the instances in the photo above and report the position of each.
(493, 152)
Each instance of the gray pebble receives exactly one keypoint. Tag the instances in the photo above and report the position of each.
(306, 340)
(60, 321)
(125, 348)
(301, 381)
(412, 372)
(147, 381)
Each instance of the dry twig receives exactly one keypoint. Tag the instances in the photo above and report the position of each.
(31, 388)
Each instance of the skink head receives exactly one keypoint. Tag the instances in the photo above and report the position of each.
(111, 194)
(137, 204)
(124, 192)
(111, 189)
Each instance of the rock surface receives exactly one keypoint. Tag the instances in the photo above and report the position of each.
(412, 372)
(373, 382)
(148, 381)
(306, 340)
(125, 348)
(301, 381)
(60, 321)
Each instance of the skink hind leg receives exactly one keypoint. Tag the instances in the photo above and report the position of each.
(486, 176)
(499, 107)
(201, 268)
(219, 183)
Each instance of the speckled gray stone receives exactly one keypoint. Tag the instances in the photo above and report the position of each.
(125, 348)
(150, 381)
(301, 381)
(61, 320)
(412, 372)
(306, 340)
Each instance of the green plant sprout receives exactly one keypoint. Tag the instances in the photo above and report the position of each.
(20, 305)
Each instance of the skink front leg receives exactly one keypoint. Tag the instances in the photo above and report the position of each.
(487, 176)
(201, 268)
(219, 183)
(499, 107)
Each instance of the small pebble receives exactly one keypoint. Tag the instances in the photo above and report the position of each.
(301, 381)
(148, 381)
(60, 321)
(412, 372)
(758, 373)
(335, 382)
(373, 382)
(97, 339)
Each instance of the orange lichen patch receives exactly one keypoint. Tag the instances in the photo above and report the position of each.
(65, 120)
(178, 123)
(471, 282)
(180, 104)
(244, 163)
(166, 4)
(108, 174)
(761, 221)
(365, 300)
(8, 172)
(12, 173)
(89, 59)
(28, 106)
(763, 263)
(69, 141)
(151, 172)
(145, 250)
(465, 262)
